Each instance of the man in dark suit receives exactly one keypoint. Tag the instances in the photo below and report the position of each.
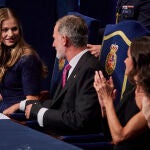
(74, 107)
(138, 10)
(134, 10)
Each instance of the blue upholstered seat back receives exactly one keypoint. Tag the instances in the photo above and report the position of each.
(93, 26)
(117, 38)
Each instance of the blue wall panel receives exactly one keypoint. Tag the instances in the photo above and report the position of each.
(38, 18)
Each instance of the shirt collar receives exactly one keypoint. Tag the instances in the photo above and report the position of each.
(73, 62)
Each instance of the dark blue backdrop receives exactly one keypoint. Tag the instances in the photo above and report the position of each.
(100, 9)
(38, 18)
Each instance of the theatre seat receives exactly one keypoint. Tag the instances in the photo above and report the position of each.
(88, 141)
(93, 26)
(19, 116)
(117, 38)
(82, 138)
(103, 145)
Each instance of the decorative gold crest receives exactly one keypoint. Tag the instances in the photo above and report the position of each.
(61, 63)
(111, 59)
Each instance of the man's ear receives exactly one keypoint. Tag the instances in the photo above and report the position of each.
(66, 41)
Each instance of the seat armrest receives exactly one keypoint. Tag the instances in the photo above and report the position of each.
(82, 138)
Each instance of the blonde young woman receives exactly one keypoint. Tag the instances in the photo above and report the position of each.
(21, 69)
(128, 127)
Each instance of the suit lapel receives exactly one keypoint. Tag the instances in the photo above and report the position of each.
(71, 80)
(77, 69)
(58, 90)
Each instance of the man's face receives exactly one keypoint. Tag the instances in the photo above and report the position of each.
(58, 43)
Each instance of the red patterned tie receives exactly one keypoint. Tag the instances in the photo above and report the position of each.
(65, 74)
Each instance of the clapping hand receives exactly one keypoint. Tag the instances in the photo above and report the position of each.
(105, 89)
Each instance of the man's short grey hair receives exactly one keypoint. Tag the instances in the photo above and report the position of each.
(75, 28)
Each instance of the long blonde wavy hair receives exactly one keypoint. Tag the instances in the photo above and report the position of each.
(21, 48)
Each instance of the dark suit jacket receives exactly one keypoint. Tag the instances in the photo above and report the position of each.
(75, 108)
(139, 12)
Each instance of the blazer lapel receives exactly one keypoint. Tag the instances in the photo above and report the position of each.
(72, 78)
(56, 95)
(77, 69)
(60, 91)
